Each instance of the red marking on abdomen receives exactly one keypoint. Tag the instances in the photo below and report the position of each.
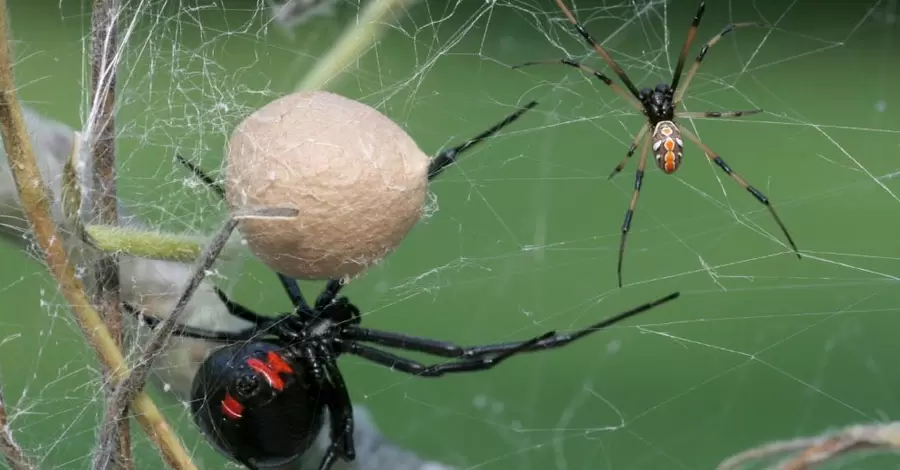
(231, 408)
(670, 163)
(271, 369)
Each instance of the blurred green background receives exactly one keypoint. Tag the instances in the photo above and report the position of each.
(761, 346)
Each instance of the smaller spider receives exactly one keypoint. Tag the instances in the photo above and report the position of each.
(659, 106)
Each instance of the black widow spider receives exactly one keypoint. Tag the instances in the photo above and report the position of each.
(261, 398)
(658, 106)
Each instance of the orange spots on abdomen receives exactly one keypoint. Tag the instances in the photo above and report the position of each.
(668, 147)
(670, 165)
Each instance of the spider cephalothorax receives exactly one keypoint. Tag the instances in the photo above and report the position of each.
(659, 106)
(657, 103)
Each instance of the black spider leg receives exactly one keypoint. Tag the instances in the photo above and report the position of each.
(631, 149)
(329, 308)
(240, 311)
(335, 310)
(330, 458)
(261, 325)
(316, 370)
(744, 184)
(337, 426)
(679, 94)
(471, 356)
(409, 366)
(692, 32)
(329, 294)
(584, 68)
(449, 156)
(294, 294)
(716, 114)
(326, 300)
(202, 176)
(187, 331)
(340, 411)
(600, 50)
(626, 224)
(289, 284)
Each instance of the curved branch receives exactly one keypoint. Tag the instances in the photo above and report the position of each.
(145, 243)
(34, 197)
(809, 452)
(14, 455)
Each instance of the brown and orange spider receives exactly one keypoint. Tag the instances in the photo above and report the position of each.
(658, 106)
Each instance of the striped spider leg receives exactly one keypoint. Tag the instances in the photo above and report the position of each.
(658, 105)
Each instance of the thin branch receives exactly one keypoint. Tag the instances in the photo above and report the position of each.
(127, 388)
(102, 135)
(165, 329)
(355, 39)
(13, 453)
(149, 244)
(35, 197)
(812, 451)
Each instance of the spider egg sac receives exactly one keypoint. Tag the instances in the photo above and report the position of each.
(357, 179)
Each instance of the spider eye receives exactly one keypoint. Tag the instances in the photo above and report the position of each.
(662, 88)
(646, 92)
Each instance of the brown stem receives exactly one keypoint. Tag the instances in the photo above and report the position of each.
(35, 198)
(811, 452)
(13, 453)
(127, 388)
(105, 210)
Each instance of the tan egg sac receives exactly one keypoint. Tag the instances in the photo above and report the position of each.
(357, 178)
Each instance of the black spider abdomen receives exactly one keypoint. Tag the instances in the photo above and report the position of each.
(255, 406)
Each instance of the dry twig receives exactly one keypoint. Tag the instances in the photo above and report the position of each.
(127, 388)
(101, 124)
(13, 453)
(812, 451)
(35, 197)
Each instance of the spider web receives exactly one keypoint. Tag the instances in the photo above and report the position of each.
(522, 236)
